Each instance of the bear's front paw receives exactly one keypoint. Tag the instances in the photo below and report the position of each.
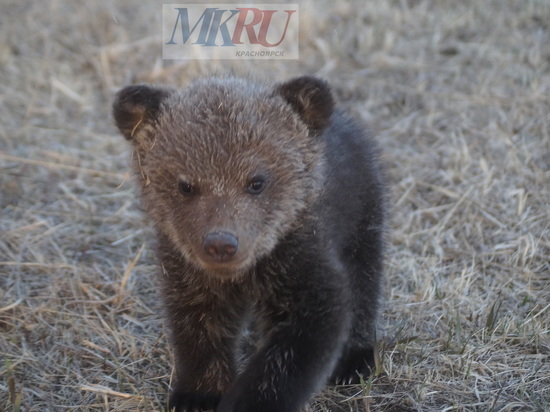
(240, 399)
(352, 365)
(192, 402)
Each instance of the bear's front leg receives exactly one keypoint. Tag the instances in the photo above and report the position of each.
(204, 341)
(304, 331)
(204, 325)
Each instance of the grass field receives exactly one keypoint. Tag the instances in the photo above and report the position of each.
(458, 93)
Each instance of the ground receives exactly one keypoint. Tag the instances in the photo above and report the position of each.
(458, 94)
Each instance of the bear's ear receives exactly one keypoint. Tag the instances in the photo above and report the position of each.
(135, 106)
(311, 98)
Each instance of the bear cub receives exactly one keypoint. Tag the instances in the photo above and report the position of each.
(268, 204)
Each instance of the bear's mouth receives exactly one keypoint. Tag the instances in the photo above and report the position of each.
(225, 271)
(225, 267)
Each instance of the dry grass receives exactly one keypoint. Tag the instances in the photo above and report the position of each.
(459, 94)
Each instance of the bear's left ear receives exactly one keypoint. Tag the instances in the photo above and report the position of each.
(311, 98)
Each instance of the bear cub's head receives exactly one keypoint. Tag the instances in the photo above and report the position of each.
(226, 166)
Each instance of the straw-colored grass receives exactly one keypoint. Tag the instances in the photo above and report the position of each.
(458, 93)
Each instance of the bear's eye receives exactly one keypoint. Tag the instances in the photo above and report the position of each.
(256, 185)
(186, 188)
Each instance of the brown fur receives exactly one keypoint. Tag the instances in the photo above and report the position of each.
(268, 205)
(221, 170)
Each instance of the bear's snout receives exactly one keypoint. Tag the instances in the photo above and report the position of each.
(221, 246)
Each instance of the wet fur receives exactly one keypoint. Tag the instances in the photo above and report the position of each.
(309, 264)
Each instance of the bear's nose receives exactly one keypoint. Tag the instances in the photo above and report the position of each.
(221, 245)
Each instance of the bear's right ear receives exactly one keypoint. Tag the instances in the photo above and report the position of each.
(135, 106)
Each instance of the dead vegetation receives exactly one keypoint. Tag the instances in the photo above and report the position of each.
(459, 95)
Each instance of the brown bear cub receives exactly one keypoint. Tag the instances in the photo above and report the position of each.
(269, 210)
